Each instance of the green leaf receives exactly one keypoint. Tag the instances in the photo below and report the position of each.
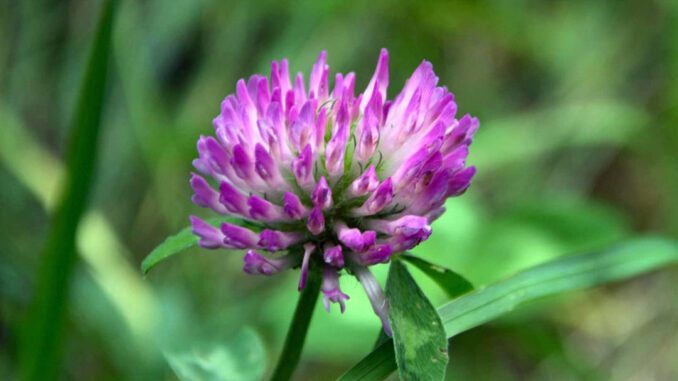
(40, 351)
(565, 274)
(240, 357)
(175, 244)
(418, 334)
(452, 283)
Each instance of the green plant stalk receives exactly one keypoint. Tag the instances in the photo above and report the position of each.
(42, 335)
(296, 335)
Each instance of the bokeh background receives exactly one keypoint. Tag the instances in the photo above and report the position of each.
(578, 149)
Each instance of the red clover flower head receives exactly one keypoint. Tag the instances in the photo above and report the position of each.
(328, 178)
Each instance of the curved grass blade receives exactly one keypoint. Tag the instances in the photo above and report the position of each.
(565, 274)
(452, 283)
(43, 332)
(175, 244)
(418, 335)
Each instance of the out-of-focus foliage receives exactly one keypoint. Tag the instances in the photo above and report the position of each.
(238, 357)
(41, 339)
(577, 150)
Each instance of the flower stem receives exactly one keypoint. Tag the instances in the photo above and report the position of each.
(296, 335)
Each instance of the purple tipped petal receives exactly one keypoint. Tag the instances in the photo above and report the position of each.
(301, 130)
(353, 238)
(291, 109)
(375, 107)
(333, 255)
(242, 93)
(407, 232)
(368, 139)
(330, 289)
(324, 86)
(273, 240)
(334, 156)
(378, 200)
(342, 120)
(242, 163)
(202, 166)
(237, 237)
(369, 238)
(429, 194)
(349, 86)
(320, 125)
(264, 164)
(317, 86)
(299, 89)
(336, 147)
(293, 207)
(213, 157)
(402, 243)
(461, 133)
(456, 160)
(338, 91)
(280, 76)
(210, 237)
(381, 197)
(410, 168)
(257, 264)
(367, 182)
(380, 253)
(232, 199)
(460, 182)
(408, 226)
(322, 194)
(205, 196)
(302, 167)
(263, 94)
(434, 139)
(263, 210)
(316, 221)
(375, 294)
(379, 81)
(308, 250)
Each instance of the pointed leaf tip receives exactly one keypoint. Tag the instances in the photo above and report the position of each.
(418, 334)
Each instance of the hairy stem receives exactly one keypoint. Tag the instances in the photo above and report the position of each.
(296, 335)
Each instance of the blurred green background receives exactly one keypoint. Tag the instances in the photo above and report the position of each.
(578, 149)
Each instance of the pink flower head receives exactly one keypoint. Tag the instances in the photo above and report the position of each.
(324, 178)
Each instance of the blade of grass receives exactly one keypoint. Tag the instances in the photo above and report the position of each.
(103, 253)
(43, 332)
(565, 274)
